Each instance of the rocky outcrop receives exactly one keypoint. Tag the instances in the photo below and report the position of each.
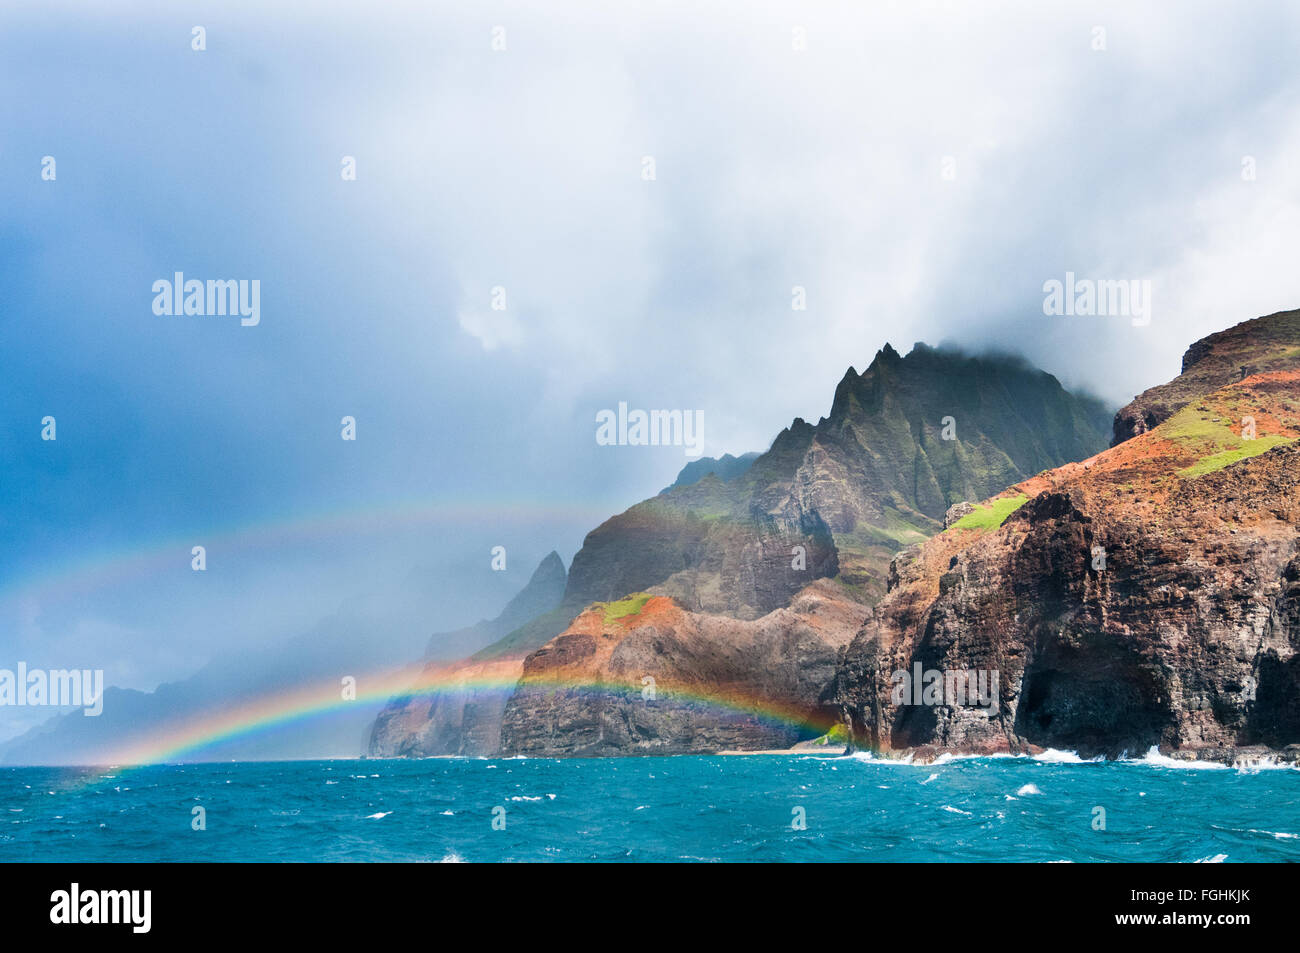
(1147, 596)
(956, 512)
(1270, 343)
(693, 545)
(657, 679)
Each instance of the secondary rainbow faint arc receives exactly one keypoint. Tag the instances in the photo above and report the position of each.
(277, 710)
(112, 567)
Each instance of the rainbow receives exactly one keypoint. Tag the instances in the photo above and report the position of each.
(188, 739)
(117, 566)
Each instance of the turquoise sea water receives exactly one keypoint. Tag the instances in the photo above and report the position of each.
(653, 809)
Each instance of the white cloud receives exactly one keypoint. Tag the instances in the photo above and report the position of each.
(493, 329)
(523, 170)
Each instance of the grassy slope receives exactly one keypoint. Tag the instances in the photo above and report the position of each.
(1210, 435)
(993, 515)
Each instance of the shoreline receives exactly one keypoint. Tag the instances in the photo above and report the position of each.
(1244, 757)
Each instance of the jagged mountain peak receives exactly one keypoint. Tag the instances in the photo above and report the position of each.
(887, 354)
(877, 473)
(551, 565)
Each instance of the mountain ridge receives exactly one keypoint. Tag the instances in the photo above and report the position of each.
(827, 504)
(878, 472)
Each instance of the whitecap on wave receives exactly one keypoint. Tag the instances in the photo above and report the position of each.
(1279, 835)
(1056, 756)
(868, 758)
(1154, 758)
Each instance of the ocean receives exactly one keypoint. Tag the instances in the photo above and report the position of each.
(795, 807)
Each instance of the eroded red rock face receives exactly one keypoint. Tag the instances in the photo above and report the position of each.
(1185, 635)
(716, 683)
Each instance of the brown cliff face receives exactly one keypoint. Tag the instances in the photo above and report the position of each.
(1147, 596)
(1270, 343)
(663, 680)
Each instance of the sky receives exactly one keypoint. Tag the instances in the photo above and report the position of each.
(919, 170)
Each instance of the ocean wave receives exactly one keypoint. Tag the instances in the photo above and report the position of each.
(1266, 763)
(866, 757)
(1279, 835)
(1056, 756)
(1154, 758)
(949, 756)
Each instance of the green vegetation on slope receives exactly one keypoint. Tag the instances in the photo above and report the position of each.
(1211, 435)
(991, 517)
(632, 605)
(1217, 461)
(1199, 427)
